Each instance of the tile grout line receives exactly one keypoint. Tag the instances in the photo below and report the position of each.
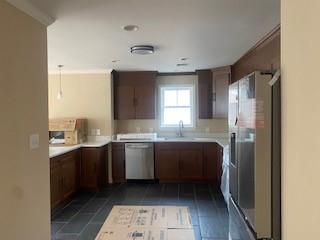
(90, 199)
(90, 221)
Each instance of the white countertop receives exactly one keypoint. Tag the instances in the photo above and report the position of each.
(104, 140)
(221, 141)
(99, 141)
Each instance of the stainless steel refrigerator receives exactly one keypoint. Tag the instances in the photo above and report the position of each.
(254, 128)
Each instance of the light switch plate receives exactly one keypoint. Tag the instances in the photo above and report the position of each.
(98, 132)
(34, 141)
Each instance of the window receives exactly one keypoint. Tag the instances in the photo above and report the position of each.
(176, 105)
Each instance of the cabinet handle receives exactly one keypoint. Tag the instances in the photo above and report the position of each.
(214, 97)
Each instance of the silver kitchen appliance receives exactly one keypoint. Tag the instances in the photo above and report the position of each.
(254, 128)
(139, 161)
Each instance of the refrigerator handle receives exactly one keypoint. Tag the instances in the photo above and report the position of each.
(236, 122)
(233, 149)
(233, 157)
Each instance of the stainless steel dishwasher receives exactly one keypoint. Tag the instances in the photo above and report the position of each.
(139, 161)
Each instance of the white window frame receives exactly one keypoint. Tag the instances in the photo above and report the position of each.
(190, 87)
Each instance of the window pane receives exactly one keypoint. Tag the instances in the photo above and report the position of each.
(172, 116)
(170, 98)
(184, 97)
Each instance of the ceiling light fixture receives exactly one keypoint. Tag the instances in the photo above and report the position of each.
(142, 49)
(131, 28)
(182, 64)
(60, 93)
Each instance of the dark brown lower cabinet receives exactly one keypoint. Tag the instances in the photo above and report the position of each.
(183, 162)
(64, 176)
(94, 167)
(191, 162)
(167, 161)
(118, 162)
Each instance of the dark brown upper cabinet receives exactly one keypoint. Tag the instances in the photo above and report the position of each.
(213, 88)
(205, 93)
(134, 95)
(221, 80)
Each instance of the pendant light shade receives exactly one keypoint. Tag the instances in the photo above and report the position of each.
(60, 93)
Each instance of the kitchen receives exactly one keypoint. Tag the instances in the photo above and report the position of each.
(154, 136)
(140, 121)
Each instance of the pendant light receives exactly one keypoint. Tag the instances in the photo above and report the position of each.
(60, 93)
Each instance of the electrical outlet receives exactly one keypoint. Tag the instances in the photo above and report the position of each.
(34, 141)
(207, 129)
(138, 129)
(98, 132)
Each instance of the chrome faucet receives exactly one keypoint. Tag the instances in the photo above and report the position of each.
(179, 133)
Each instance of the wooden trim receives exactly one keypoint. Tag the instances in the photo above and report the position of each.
(176, 73)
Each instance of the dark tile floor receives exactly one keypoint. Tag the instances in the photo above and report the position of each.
(84, 215)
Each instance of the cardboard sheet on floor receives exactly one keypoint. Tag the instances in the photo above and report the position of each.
(147, 223)
(149, 216)
(146, 234)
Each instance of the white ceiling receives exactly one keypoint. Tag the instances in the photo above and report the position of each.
(87, 34)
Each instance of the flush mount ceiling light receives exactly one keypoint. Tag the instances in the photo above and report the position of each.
(182, 64)
(130, 28)
(60, 93)
(142, 49)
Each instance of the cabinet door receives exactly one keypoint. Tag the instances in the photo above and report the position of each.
(191, 162)
(219, 163)
(145, 101)
(210, 162)
(124, 107)
(89, 168)
(118, 162)
(69, 174)
(167, 161)
(103, 166)
(205, 94)
(55, 182)
(221, 81)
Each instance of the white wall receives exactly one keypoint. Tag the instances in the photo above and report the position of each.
(85, 96)
(300, 60)
(24, 173)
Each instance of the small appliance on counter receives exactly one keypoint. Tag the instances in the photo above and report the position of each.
(137, 136)
(68, 131)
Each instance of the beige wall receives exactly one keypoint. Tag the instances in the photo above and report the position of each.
(300, 51)
(213, 125)
(84, 96)
(24, 173)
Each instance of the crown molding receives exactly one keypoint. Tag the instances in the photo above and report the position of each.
(33, 11)
(89, 71)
